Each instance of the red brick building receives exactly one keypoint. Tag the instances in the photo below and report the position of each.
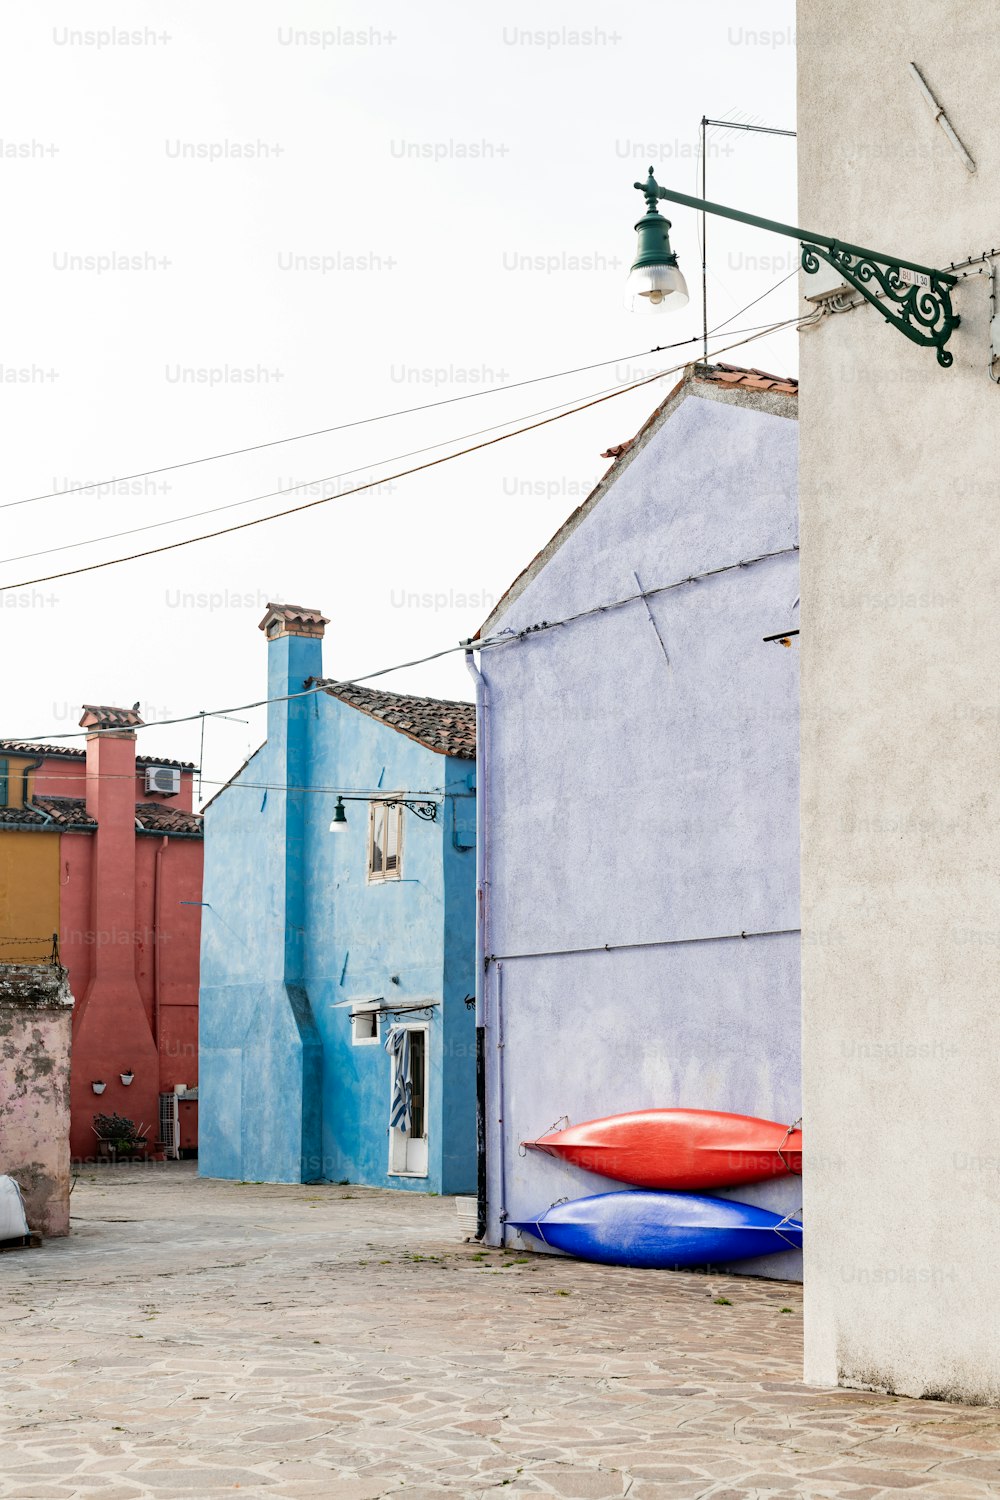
(102, 850)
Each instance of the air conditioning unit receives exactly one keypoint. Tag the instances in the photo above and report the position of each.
(163, 779)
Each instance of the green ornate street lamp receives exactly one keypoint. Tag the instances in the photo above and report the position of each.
(338, 823)
(912, 297)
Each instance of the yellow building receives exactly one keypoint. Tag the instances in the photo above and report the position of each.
(29, 867)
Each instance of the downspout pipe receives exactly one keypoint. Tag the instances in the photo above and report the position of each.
(482, 886)
(156, 952)
(501, 1156)
(26, 800)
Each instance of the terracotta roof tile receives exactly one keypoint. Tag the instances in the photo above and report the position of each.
(29, 747)
(746, 379)
(441, 724)
(161, 760)
(20, 817)
(295, 614)
(154, 816)
(104, 716)
(728, 376)
(68, 812)
(63, 812)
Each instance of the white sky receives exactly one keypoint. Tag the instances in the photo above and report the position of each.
(448, 144)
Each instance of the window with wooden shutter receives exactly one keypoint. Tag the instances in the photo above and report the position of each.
(385, 841)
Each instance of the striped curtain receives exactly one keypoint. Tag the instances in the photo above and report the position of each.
(397, 1044)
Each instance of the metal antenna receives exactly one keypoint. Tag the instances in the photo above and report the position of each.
(718, 125)
(704, 252)
(201, 752)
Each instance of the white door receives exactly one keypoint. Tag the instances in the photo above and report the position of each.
(408, 1148)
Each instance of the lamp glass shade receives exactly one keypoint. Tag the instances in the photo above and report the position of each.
(339, 823)
(656, 288)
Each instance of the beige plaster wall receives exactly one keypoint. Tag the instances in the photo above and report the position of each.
(900, 533)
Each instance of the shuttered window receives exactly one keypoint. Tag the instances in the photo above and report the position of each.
(385, 841)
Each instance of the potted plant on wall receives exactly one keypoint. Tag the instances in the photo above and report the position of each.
(127, 1076)
(119, 1137)
(98, 1085)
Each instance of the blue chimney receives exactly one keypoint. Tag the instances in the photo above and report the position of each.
(294, 654)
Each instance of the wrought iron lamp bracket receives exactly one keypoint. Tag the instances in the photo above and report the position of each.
(918, 303)
(426, 810)
(913, 298)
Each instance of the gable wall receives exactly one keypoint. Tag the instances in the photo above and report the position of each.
(645, 803)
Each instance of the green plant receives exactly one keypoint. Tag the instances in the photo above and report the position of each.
(119, 1132)
(722, 1302)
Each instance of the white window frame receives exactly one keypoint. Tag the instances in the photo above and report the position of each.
(362, 1009)
(397, 1139)
(380, 809)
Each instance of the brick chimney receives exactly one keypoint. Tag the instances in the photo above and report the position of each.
(112, 1032)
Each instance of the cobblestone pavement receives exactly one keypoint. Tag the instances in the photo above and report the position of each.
(201, 1338)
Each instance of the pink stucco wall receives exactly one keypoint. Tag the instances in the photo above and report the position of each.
(36, 1012)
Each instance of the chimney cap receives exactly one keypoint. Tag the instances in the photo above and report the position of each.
(292, 619)
(103, 716)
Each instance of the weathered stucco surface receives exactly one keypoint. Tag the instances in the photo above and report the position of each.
(36, 1011)
(900, 706)
(294, 932)
(646, 797)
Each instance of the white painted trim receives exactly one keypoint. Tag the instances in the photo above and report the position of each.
(395, 1172)
(384, 877)
(366, 1008)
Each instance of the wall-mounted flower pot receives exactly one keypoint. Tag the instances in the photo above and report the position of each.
(98, 1087)
(126, 1078)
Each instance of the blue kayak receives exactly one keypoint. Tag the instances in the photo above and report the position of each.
(662, 1230)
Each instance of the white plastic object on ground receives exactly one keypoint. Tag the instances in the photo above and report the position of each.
(13, 1224)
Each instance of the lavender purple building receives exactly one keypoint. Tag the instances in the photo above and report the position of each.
(638, 798)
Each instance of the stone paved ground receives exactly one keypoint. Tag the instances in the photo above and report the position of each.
(203, 1338)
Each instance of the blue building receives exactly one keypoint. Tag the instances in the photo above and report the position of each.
(639, 754)
(337, 1037)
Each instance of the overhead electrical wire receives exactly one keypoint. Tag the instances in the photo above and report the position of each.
(388, 478)
(718, 326)
(474, 643)
(214, 510)
(375, 793)
(406, 411)
(513, 385)
(291, 489)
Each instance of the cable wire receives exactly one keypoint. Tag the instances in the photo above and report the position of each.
(304, 484)
(299, 437)
(214, 510)
(492, 390)
(386, 479)
(502, 638)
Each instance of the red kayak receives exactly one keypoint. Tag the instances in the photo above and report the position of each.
(678, 1149)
